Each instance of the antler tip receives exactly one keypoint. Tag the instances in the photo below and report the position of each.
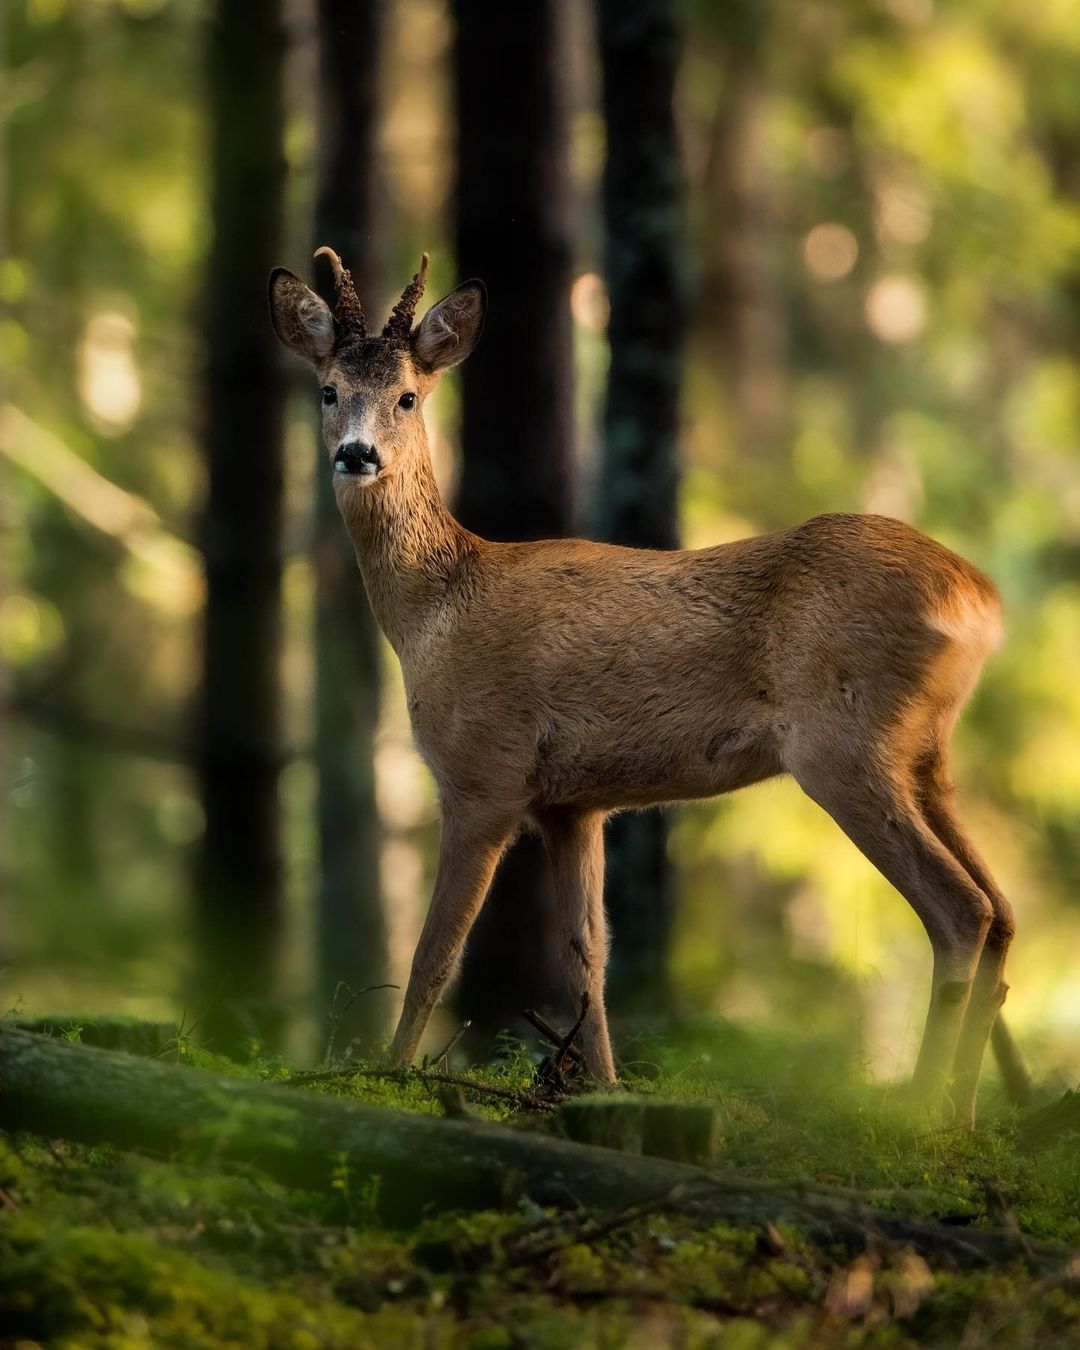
(325, 251)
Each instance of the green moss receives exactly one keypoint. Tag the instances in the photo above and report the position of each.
(99, 1248)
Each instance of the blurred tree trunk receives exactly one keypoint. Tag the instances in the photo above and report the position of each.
(351, 924)
(740, 298)
(238, 886)
(514, 231)
(640, 45)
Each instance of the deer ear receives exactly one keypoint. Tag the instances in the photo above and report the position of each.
(451, 329)
(301, 319)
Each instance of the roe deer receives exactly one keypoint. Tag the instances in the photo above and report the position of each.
(562, 680)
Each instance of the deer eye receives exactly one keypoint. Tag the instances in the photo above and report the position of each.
(329, 395)
(407, 401)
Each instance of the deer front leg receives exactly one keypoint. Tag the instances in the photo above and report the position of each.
(575, 844)
(472, 841)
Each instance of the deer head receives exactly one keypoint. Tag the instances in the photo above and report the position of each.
(374, 386)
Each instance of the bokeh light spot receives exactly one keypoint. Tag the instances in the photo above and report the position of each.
(831, 252)
(896, 308)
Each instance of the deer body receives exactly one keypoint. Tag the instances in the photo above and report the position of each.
(555, 682)
(567, 673)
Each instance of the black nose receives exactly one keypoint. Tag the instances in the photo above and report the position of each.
(356, 457)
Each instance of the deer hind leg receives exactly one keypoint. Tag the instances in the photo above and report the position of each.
(875, 805)
(469, 850)
(575, 845)
(988, 992)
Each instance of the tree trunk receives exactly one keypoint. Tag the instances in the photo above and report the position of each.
(514, 231)
(636, 500)
(351, 926)
(238, 900)
(740, 306)
(304, 1139)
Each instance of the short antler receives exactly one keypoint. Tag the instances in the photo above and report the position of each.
(347, 311)
(399, 324)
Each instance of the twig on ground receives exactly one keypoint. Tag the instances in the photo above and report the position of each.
(548, 1031)
(525, 1100)
(572, 1035)
(588, 1229)
(567, 1061)
(337, 1015)
(451, 1045)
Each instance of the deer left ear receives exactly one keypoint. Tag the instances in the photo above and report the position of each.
(302, 320)
(451, 329)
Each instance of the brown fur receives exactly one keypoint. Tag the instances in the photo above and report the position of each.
(561, 680)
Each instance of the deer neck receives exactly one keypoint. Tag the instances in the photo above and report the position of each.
(409, 548)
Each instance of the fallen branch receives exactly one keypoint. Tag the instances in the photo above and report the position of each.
(306, 1139)
(526, 1101)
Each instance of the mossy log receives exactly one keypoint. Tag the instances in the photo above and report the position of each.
(133, 1034)
(423, 1162)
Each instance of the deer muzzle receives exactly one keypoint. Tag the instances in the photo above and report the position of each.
(356, 458)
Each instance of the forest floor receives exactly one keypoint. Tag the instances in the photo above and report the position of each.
(100, 1248)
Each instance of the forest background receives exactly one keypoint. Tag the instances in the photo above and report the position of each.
(747, 262)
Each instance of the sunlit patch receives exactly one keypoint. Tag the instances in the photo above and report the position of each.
(911, 13)
(109, 384)
(830, 251)
(400, 786)
(589, 302)
(12, 280)
(30, 628)
(180, 818)
(901, 215)
(896, 308)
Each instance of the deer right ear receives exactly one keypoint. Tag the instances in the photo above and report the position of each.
(451, 329)
(301, 319)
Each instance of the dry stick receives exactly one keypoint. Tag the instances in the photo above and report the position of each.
(571, 1036)
(451, 1045)
(548, 1032)
(553, 1072)
(336, 1017)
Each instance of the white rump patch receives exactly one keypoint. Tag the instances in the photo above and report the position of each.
(972, 620)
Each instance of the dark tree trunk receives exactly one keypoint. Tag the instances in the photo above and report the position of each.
(351, 924)
(636, 500)
(740, 308)
(238, 898)
(514, 231)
